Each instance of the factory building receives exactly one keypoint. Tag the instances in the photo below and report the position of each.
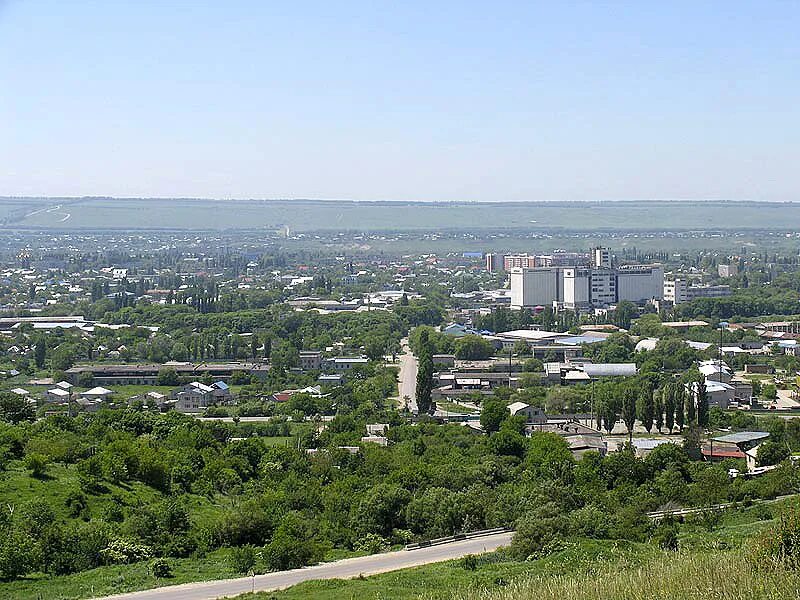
(580, 286)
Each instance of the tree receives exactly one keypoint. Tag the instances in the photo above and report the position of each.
(629, 410)
(36, 464)
(702, 403)
(679, 394)
(658, 404)
(691, 412)
(14, 408)
(473, 347)
(668, 394)
(609, 415)
(424, 372)
(772, 453)
(40, 353)
(18, 554)
(493, 413)
(646, 407)
(168, 376)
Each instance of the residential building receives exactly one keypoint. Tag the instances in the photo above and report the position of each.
(310, 360)
(729, 270)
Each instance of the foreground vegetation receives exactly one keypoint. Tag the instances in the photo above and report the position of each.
(738, 555)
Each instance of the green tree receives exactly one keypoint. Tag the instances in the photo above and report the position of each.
(679, 394)
(691, 407)
(494, 411)
(658, 405)
(168, 376)
(646, 407)
(15, 409)
(629, 410)
(424, 372)
(701, 398)
(473, 347)
(668, 393)
(40, 353)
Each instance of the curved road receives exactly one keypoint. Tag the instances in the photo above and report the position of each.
(340, 569)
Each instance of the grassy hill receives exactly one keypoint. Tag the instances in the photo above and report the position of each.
(710, 565)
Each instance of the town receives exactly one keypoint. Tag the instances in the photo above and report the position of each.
(171, 377)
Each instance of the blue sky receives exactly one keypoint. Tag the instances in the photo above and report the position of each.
(402, 100)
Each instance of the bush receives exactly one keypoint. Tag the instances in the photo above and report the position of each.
(242, 559)
(371, 543)
(469, 562)
(125, 551)
(539, 533)
(36, 464)
(666, 535)
(160, 568)
(779, 547)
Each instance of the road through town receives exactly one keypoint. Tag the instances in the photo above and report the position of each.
(408, 378)
(340, 569)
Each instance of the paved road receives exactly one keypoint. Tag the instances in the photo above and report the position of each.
(408, 377)
(340, 569)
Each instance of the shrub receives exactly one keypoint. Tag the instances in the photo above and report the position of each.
(469, 562)
(666, 535)
(779, 547)
(36, 464)
(125, 551)
(539, 533)
(371, 543)
(160, 568)
(242, 559)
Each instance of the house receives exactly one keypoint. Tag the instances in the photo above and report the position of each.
(715, 370)
(310, 360)
(457, 330)
(445, 360)
(330, 379)
(342, 364)
(581, 444)
(56, 395)
(746, 441)
(718, 393)
(64, 385)
(377, 428)
(88, 405)
(375, 439)
(97, 393)
(532, 414)
(20, 392)
(196, 396)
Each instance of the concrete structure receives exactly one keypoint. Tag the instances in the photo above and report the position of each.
(196, 396)
(342, 364)
(310, 360)
(729, 270)
(639, 283)
(147, 374)
(535, 287)
(601, 258)
(678, 290)
(577, 285)
(494, 262)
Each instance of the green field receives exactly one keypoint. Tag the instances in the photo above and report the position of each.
(306, 215)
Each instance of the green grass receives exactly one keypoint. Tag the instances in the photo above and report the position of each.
(444, 580)
(115, 579)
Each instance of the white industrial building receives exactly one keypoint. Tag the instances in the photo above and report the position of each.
(581, 286)
(678, 290)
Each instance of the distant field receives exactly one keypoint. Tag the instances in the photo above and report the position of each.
(309, 215)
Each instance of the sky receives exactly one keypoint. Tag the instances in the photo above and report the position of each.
(412, 100)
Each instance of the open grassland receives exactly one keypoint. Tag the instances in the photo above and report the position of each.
(309, 215)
